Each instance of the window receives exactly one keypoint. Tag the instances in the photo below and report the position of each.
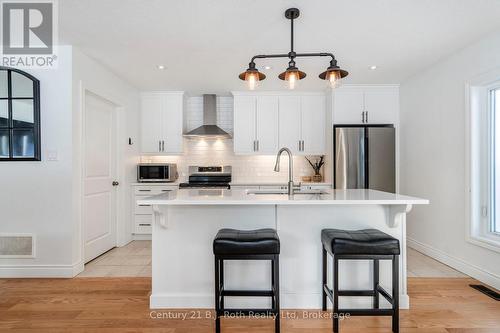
(483, 156)
(19, 116)
(494, 108)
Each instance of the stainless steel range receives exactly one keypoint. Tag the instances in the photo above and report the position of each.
(208, 177)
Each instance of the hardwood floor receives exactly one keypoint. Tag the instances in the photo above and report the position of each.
(439, 305)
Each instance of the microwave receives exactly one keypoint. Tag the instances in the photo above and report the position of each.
(151, 173)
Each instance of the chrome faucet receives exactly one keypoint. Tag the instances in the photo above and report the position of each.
(291, 186)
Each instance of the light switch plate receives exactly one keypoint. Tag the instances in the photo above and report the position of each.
(52, 155)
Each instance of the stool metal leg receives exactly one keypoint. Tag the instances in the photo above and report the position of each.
(395, 293)
(221, 277)
(276, 287)
(217, 296)
(335, 294)
(375, 283)
(325, 272)
(273, 300)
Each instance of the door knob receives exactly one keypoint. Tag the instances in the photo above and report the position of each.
(115, 183)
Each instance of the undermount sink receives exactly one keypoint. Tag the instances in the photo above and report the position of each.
(286, 192)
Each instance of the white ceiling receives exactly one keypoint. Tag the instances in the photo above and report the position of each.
(205, 44)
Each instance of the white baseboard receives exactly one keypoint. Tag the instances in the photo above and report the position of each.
(40, 271)
(141, 237)
(472, 270)
(288, 301)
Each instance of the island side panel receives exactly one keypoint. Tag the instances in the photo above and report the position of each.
(300, 234)
(183, 260)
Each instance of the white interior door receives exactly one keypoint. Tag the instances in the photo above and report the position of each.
(99, 202)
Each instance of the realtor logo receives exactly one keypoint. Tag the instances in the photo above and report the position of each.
(28, 33)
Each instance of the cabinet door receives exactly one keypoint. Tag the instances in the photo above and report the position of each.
(313, 125)
(289, 122)
(244, 124)
(348, 106)
(267, 124)
(382, 105)
(151, 124)
(172, 123)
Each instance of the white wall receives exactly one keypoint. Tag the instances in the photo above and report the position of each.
(43, 198)
(35, 197)
(433, 158)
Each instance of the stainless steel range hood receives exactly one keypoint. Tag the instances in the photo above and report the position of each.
(209, 129)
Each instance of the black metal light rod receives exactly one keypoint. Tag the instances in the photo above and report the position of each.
(283, 55)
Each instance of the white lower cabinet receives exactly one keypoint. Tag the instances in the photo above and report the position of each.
(143, 214)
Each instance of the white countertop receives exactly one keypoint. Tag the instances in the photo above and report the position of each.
(241, 197)
(238, 183)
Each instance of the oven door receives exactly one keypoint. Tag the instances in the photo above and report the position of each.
(153, 173)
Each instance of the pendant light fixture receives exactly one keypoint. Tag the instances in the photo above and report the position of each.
(292, 75)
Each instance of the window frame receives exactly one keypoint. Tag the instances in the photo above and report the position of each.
(479, 155)
(36, 116)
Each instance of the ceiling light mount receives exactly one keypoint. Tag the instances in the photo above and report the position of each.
(333, 73)
(292, 13)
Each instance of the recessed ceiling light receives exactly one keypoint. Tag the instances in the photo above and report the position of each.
(267, 67)
(161, 67)
(373, 67)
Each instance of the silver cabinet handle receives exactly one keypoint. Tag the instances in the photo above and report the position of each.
(254, 147)
(144, 190)
(363, 117)
(366, 116)
(162, 145)
(144, 224)
(159, 145)
(258, 148)
(302, 145)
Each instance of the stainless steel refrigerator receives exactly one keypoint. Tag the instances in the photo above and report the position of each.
(365, 157)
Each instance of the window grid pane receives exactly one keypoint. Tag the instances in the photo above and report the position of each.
(19, 116)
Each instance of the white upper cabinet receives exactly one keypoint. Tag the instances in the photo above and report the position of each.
(366, 105)
(290, 123)
(244, 124)
(151, 126)
(255, 124)
(313, 119)
(265, 122)
(161, 122)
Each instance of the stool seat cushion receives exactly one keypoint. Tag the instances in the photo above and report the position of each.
(232, 241)
(367, 241)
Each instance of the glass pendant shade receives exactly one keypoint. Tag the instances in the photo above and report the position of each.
(252, 80)
(333, 75)
(252, 77)
(292, 77)
(334, 79)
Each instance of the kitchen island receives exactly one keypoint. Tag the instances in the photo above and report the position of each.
(186, 221)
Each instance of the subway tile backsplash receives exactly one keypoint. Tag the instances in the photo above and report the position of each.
(246, 169)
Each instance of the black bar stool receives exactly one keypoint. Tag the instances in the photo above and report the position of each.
(368, 244)
(232, 244)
